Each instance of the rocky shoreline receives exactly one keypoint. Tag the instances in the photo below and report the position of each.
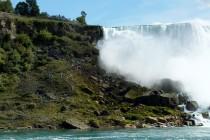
(64, 87)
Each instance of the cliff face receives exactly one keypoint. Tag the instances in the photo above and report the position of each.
(50, 78)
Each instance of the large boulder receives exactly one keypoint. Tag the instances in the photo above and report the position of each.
(151, 120)
(192, 106)
(183, 98)
(206, 115)
(158, 98)
(73, 124)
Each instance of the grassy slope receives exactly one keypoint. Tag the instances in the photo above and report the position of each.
(65, 82)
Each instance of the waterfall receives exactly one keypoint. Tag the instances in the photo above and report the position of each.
(147, 53)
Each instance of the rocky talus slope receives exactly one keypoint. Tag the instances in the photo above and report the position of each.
(50, 78)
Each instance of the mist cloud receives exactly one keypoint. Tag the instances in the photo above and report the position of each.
(145, 55)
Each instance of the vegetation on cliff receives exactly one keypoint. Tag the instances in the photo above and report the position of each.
(6, 6)
(50, 78)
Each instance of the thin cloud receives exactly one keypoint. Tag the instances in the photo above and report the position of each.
(205, 3)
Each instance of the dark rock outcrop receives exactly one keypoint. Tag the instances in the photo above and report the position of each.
(73, 124)
(158, 98)
(192, 105)
(206, 115)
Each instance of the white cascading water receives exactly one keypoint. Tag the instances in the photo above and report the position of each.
(148, 53)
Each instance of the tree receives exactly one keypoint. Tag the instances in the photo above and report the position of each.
(82, 18)
(6, 6)
(28, 8)
(44, 14)
(83, 13)
(33, 7)
(22, 9)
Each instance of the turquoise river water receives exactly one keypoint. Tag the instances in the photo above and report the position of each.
(187, 133)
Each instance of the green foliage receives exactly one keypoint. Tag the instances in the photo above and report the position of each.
(8, 82)
(52, 64)
(82, 18)
(6, 6)
(43, 37)
(33, 8)
(22, 9)
(17, 55)
(24, 40)
(28, 8)
(83, 13)
(94, 123)
(2, 57)
(44, 14)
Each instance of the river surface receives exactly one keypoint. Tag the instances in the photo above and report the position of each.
(188, 133)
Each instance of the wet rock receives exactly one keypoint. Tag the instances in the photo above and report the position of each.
(24, 128)
(145, 126)
(188, 123)
(38, 126)
(73, 124)
(161, 125)
(206, 115)
(158, 98)
(151, 120)
(51, 127)
(192, 105)
(181, 108)
(183, 98)
(94, 123)
(162, 120)
(130, 126)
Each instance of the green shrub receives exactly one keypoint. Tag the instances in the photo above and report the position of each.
(44, 37)
(8, 82)
(82, 18)
(94, 123)
(24, 40)
(6, 6)
(2, 57)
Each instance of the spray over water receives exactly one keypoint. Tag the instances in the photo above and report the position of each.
(148, 53)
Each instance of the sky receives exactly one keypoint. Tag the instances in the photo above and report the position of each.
(128, 12)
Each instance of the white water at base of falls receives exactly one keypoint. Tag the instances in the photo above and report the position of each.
(199, 120)
(148, 53)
